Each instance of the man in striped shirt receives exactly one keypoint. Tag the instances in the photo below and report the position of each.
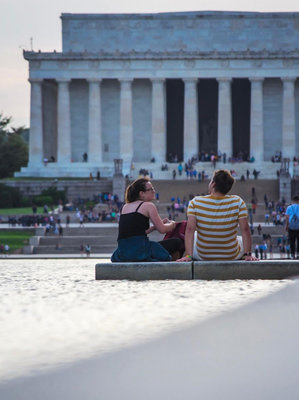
(211, 232)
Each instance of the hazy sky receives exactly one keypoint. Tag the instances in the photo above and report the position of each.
(22, 19)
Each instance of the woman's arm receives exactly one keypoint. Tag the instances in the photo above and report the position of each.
(156, 219)
(150, 229)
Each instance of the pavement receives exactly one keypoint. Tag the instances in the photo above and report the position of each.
(71, 225)
(102, 256)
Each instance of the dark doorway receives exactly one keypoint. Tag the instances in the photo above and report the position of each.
(208, 116)
(175, 119)
(241, 118)
(49, 106)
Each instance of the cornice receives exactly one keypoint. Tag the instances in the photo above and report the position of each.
(160, 55)
(182, 15)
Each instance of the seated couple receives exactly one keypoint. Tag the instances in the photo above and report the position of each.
(211, 232)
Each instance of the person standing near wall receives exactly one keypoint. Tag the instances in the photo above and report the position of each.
(292, 225)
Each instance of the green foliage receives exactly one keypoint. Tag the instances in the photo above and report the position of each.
(55, 194)
(19, 211)
(26, 201)
(42, 200)
(13, 148)
(10, 197)
(89, 204)
(16, 239)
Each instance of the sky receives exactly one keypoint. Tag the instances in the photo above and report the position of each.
(21, 20)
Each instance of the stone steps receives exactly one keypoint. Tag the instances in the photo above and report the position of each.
(90, 231)
(267, 169)
(77, 240)
(51, 249)
(190, 188)
(107, 243)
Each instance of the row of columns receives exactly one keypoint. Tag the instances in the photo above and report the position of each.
(158, 150)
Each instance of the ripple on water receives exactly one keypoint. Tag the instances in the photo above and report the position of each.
(55, 312)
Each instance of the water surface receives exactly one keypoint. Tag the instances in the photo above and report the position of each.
(53, 311)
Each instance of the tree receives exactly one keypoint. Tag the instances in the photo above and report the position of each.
(13, 148)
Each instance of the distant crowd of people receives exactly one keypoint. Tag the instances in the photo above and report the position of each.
(266, 248)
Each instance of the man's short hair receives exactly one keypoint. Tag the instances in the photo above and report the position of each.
(296, 197)
(223, 181)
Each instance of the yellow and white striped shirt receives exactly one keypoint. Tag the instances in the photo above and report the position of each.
(216, 225)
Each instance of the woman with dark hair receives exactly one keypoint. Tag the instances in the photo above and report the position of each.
(133, 243)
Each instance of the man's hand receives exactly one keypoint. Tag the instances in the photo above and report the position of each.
(184, 259)
(169, 221)
(251, 258)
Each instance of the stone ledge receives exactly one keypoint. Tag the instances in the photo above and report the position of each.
(224, 270)
(140, 271)
(205, 270)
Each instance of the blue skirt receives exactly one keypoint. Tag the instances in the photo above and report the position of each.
(139, 248)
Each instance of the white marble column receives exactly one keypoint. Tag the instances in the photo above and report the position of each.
(63, 123)
(94, 122)
(288, 119)
(225, 131)
(36, 124)
(158, 120)
(190, 119)
(126, 121)
(256, 120)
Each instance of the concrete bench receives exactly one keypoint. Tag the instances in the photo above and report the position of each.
(141, 271)
(263, 269)
(205, 270)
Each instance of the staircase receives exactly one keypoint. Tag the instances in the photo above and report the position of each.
(101, 240)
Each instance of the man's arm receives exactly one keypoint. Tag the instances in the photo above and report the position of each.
(246, 237)
(189, 238)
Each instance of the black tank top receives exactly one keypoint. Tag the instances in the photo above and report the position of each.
(132, 224)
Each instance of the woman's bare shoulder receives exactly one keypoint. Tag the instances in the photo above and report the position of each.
(147, 207)
(129, 207)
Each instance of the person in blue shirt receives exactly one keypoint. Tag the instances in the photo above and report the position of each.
(292, 225)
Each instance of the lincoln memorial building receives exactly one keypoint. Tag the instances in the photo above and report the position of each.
(142, 86)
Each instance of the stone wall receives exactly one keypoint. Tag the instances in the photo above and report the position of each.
(75, 188)
(190, 31)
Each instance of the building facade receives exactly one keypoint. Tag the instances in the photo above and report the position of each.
(164, 86)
